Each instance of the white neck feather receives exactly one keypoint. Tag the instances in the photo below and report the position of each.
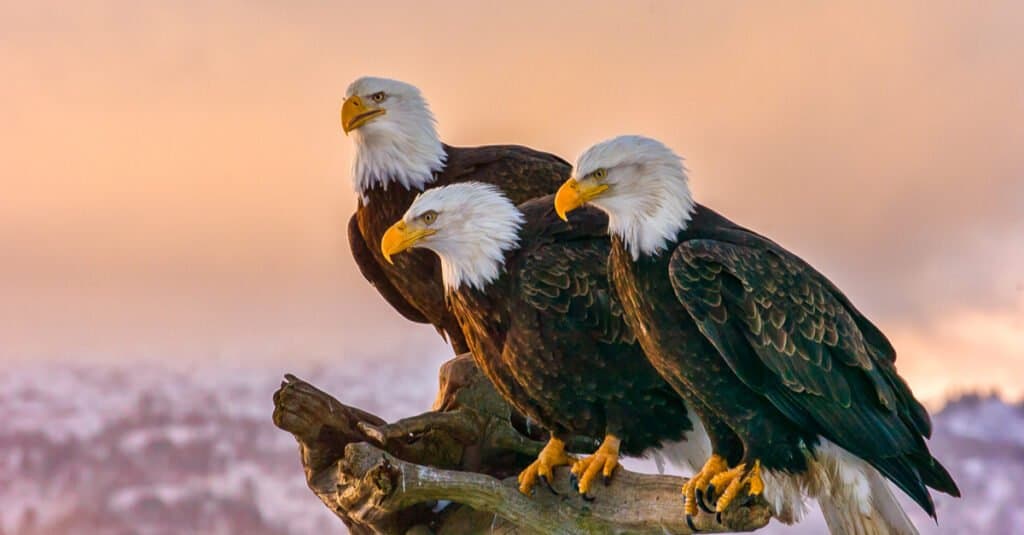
(477, 224)
(648, 201)
(474, 267)
(406, 151)
(649, 232)
(478, 258)
(648, 213)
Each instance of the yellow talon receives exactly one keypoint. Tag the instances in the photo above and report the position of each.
(756, 484)
(715, 465)
(605, 460)
(734, 480)
(689, 498)
(551, 456)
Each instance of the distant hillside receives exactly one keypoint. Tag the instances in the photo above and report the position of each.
(115, 450)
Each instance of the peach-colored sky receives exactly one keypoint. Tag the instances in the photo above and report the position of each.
(175, 183)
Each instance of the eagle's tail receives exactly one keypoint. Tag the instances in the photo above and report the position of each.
(688, 454)
(855, 497)
(875, 513)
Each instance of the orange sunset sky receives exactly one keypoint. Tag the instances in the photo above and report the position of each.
(175, 183)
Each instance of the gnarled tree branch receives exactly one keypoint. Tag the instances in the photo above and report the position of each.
(400, 477)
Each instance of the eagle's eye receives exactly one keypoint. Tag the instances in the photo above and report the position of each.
(378, 96)
(429, 217)
(599, 174)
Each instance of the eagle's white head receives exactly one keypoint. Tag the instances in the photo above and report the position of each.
(395, 133)
(469, 225)
(642, 186)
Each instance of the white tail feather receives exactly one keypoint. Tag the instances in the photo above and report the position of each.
(688, 454)
(855, 498)
(884, 516)
(884, 501)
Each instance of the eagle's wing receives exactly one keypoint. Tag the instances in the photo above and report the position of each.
(522, 173)
(581, 300)
(564, 273)
(375, 275)
(785, 332)
(567, 306)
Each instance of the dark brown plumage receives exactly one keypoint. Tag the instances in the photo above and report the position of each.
(551, 336)
(797, 390)
(772, 355)
(413, 284)
(533, 298)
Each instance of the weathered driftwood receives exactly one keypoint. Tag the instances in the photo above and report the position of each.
(400, 477)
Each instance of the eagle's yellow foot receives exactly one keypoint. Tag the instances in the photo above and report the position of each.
(698, 484)
(734, 480)
(604, 461)
(551, 456)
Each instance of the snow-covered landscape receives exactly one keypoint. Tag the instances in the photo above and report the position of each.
(150, 449)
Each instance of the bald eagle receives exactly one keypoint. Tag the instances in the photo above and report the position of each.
(399, 154)
(798, 391)
(533, 297)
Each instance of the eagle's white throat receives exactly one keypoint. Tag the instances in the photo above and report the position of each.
(400, 146)
(648, 201)
(475, 225)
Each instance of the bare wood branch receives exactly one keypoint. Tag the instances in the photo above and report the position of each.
(389, 478)
(634, 503)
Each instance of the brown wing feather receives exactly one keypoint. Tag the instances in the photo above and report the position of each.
(415, 279)
(374, 274)
(779, 326)
(521, 172)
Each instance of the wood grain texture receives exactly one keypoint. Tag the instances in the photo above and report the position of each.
(389, 478)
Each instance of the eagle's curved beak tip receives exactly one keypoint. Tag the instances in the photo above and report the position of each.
(356, 113)
(567, 199)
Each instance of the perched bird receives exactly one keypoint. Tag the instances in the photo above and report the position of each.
(798, 391)
(536, 306)
(399, 154)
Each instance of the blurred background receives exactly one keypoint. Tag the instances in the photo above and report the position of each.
(174, 190)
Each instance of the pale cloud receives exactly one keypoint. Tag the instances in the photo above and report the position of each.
(172, 169)
(965, 351)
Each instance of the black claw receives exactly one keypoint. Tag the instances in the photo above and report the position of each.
(544, 480)
(587, 497)
(689, 524)
(607, 480)
(574, 481)
(718, 517)
(707, 501)
(701, 503)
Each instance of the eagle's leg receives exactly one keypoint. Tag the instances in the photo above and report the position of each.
(551, 456)
(604, 461)
(700, 481)
(735, 480)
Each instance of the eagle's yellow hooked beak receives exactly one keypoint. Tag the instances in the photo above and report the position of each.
(400, 237)
(574, 194)
(355, 113)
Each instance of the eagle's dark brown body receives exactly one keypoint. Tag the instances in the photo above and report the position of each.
(550, 334)
(772, 356)
(413, 284)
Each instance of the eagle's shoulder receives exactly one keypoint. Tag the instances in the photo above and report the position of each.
(521, 172)
(709, 224)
